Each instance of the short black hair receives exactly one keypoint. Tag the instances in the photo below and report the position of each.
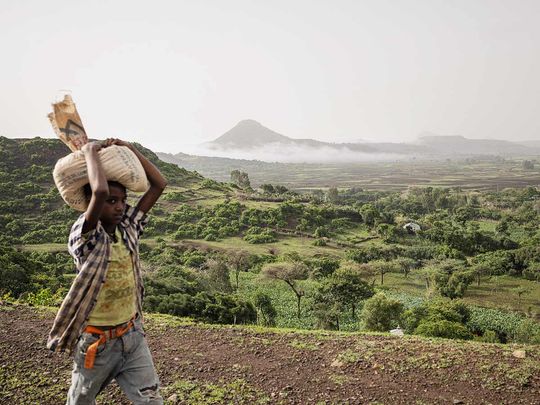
(88, 190)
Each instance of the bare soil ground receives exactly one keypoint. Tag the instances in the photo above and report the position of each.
(203, 364)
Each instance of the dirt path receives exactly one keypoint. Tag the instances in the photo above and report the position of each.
(201, 364)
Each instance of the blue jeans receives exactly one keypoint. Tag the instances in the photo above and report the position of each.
(126, 359)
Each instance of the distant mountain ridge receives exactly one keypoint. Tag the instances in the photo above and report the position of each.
(458, 144)
(252, 137)
(250, 134)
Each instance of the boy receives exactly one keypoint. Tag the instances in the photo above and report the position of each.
(100, 320)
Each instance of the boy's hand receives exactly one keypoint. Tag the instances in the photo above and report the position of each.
(91, 147)
(115, 141)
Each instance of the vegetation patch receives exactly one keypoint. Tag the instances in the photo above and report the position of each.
(202, 393)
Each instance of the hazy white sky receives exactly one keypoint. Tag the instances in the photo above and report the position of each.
(165, 73)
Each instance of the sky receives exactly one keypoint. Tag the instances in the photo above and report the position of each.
(169, 73)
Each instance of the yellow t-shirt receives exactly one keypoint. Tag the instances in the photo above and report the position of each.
(116, 302)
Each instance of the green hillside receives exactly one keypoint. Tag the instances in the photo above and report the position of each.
(338, 259)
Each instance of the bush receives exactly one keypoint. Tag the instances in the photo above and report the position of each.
(257, 234)
(453, 285)
(213, 308)
(321, 232)
(44, 297)
(532, 272)
(444, 329)
(433, 311)
(322, 266)
(263, 303)
(489, 336)
(381, 313)
(528, 332)
(14, 278)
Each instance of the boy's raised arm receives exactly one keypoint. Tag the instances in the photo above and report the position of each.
(98, 184)
(155, 178)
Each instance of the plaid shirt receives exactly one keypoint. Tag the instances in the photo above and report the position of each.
(91, 255)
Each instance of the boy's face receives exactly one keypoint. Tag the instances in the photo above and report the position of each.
(114, 207)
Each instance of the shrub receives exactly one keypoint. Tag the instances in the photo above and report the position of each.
(322, 266)
(44, 297)
(263, 303)
(528, 332)
(214, 308)
(489, 336)
(455, 284)
(14, 278)
(194, 259)
(257, 234)
(433, 311)
(175, 196)
(381, 313)
(321, 232)
(532, 272)
(444, 329)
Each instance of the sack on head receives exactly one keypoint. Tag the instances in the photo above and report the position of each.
(119, 164)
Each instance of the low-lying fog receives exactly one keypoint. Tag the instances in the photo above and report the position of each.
(278, 152)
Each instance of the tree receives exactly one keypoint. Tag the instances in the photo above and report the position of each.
(480, 270)
(332, 195)
(347, 287)
(427, 274)
(448, 277)
(239, 261)
(322, 266)
(321, 232)
(241, 179)
(268, 189)
(382, 267)
(527, 165)
(263, 303)
(368, 272)
(326, 308)
(520, 290)
(217, 273)
(388, 233)
(405, 265)
(290, 273)
(369, 214)
(318, 195)
(381, 313)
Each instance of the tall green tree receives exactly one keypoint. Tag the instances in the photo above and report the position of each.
(347, 287)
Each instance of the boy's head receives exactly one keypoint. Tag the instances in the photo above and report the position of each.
(114, 206)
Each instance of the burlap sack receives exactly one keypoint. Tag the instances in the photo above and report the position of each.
(119, 163)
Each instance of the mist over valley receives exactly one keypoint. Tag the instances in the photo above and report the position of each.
(250, 140)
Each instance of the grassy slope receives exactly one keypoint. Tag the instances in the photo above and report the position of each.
(496, 292)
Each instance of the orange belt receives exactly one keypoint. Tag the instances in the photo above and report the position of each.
(105, 335)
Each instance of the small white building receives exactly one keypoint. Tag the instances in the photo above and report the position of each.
(412, 227)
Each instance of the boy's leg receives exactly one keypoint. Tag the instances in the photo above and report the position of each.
(86, 383)
(138, 377)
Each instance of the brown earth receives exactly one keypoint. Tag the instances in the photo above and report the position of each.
(202, 364)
